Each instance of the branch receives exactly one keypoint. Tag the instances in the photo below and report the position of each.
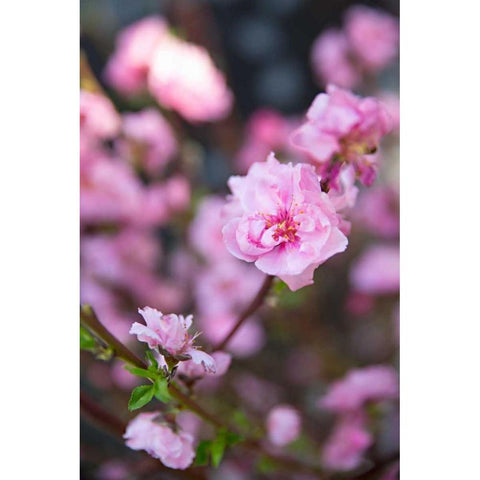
(252, 308)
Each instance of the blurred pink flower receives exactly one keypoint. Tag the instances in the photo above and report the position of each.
(112, 470)
(98, 117)
(184, 78)
(170, 333)
(377, 271)
(343, 128)
(205, 231)
(248, 339)
(174, 450)
(122, 377)
(128, 67)
(283, 425)
(378, 211)
(373, 36)
(150, 139)
(226, 286)
(375, 383)
(331, 60)
(282, 221)
(344, 448)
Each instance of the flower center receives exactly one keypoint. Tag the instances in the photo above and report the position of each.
(285, 227)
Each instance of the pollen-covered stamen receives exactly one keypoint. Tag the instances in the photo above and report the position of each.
(285, 227)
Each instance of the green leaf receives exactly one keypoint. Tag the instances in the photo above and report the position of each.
(87, 341)
(218, 447)
(141, 372)
(203, 453)
(140, 396)
(161, 390)
(279, 286)
(241, 420)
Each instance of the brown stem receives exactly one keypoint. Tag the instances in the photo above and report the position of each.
(89, 318)
(254, 305)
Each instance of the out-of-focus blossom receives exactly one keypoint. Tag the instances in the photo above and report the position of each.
(331, 60)
(205, 231)
(170, 333)
(373, 36)
(378, 211)
(188, 422)
(174, 450)
(343, 128)
(98, 117)
(257, 393)
(377, 271)
(150, 139)
(359, 303)
(226, 286)
(192, 370)
(373, 383)
(248, 339)
(344, 448)
(282, 221)
(392, 472)
(128, 67)
(283, 425)
(122, 377)
(266, 131)
(112, 470)
(184, 78)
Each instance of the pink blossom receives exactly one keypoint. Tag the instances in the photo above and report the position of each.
(98, 117)
(128, 67)
(343, 128)
(331, 60)
(373, 36)
(184, 78)
(150, 139)
(377, 211)
(283, 425)
(377, 271)
(282, 221)
(170, 333)
(174, 450)
(392, 104)
(344, 448)
(373, 383)
(193, 370)
(112, 470)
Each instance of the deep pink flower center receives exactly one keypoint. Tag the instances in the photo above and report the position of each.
(285, 227)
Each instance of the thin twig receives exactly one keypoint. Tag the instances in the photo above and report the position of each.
(255, 304)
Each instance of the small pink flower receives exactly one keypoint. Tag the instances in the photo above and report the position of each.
(170, 333)
(343, 128)
(174, 450)
(373, 36)
(184, 78)
(192, 370)
(377, 271)
(283, 425)
(331, 60)
(344, 448)
(373, 383)
(128, 67)
(150, 139)
(282, 221)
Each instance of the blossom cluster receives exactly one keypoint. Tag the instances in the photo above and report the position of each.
(367, 44)
(180, 75)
